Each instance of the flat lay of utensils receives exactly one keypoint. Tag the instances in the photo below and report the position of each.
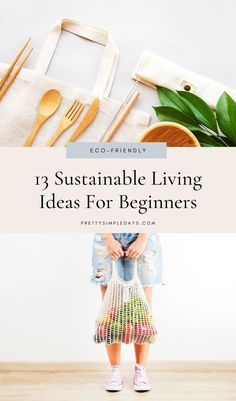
(120, 115)
(7, 80)
(175, 135)
(69, 118)
(48, 105)
(86, 120)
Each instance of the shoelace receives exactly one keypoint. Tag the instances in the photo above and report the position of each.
(115, 375)
(140, 376)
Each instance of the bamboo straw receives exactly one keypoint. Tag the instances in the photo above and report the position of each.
(8, 72)
(13, 77)
(121, 117)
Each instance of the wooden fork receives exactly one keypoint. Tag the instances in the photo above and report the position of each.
(69, 117)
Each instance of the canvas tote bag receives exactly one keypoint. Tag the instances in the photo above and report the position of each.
(19, 107)
(153, 70)
(125, 315)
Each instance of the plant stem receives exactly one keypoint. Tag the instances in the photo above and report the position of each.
(221, 140)
(207, 132)
(210, 131)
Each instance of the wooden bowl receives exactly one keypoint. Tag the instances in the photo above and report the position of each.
(172, 133)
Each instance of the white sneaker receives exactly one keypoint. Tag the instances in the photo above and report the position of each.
(141, 382)
(114, 382)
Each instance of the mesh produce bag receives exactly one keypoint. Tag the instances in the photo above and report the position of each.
(125, 315)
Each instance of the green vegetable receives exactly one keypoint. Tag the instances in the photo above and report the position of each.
(130, 311)
(115, 327)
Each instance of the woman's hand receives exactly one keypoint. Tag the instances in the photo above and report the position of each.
(137, 247)
(113, 246)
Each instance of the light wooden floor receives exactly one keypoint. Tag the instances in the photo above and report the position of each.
(70, 383)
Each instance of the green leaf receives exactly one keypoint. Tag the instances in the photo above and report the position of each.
(165, 113)
(202, 112)
(208, 140)
(170, 98)
(226, 116)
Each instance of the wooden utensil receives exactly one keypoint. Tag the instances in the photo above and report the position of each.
(175, 135)
(69, 117)
(120, 119)
(15, 73)
(8, 72)
(48, 105)
(86, 120)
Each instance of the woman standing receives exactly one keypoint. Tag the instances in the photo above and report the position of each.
(124, 248)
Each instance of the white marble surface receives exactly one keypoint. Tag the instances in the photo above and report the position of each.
(196, 34)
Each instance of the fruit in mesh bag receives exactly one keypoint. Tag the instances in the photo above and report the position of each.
(151, 339)
(145, 329)
(139, 303)
(142, 329)
(105, 319)
(112, 313)
(154, 330)
(129, 307)
(100, 334)
(110, 339)
(134, 311)
(140, 308)
(149, 318)
(128, 328)
(132, 321)
(115, 329)
(101, 331)
(98, 339)
(104, 333)
(127, 333)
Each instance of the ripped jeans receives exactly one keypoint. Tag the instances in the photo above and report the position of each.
(149, 262)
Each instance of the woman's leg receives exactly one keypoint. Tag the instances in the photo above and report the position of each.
(113, 350)
(141, 350)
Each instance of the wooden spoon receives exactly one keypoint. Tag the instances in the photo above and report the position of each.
(48, 105)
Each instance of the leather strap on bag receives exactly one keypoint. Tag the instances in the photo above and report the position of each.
(109, 59)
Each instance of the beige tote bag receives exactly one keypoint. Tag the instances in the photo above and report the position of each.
(19, 107)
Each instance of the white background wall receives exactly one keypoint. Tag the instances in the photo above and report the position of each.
(48, 306)
(196, 34)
